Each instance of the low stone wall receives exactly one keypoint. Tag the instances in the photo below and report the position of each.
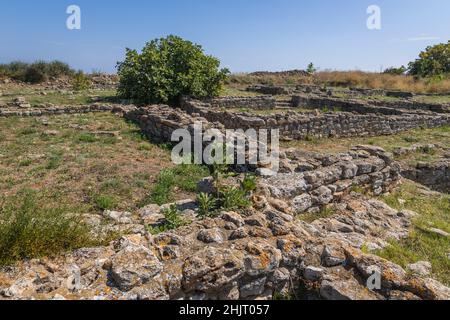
(271, 90)
(158, 122)
(37, 112)
(436, 176)
(298, 126)
(260, 102)
(383, 107)
(316, 102)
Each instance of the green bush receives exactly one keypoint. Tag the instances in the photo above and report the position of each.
(434, 61)
(36, 72)
(34, 75)
(80, 82)
(167, 69)
(29, 230)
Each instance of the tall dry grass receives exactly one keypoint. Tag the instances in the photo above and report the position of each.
(381, 81)
(357, 79)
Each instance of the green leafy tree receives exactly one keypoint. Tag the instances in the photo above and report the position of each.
(168, 68)
(434, 61)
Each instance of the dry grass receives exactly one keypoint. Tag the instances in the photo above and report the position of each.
(345, 79)
(381, 81)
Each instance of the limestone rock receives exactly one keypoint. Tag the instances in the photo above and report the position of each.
(421, 268)
(211, 236)
(134, 266)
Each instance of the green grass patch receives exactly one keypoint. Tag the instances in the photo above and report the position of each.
(86, 138)
(421, 245)
(29, 230)
(325, 212)
(105, 202)
(184, 177)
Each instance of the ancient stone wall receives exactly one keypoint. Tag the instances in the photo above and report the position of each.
(296, 125)
(259, 102)
(271, 90)
(37, 112)
(158, 122)
(384, 107)
(436, 175)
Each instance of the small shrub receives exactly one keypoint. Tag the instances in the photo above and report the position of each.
(33, 75)
(173, 220)
(396, 71)
(29, 230)
(36, 72)
(311, 69)
(206, 205)
(234, 198)
(80, 82)
(105, 202)
(249, 183)
(25, 163)
(54, 162)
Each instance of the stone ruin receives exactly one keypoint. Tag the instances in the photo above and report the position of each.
(260, 252)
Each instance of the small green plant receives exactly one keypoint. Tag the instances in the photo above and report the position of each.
(105, 202)
(80, 82)
(218, 172)
(25, 163)
(206, 204)
(87, 138)
(249, 184)
(183, 176)
(234, 198)
(311, 69)
(173, 220)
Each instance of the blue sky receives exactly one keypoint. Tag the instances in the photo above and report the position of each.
(247, 35)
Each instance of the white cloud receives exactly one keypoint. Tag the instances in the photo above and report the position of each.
(423, 38)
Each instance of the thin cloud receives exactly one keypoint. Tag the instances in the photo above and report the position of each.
(423, 38)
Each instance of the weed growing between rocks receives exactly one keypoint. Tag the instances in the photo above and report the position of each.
(173, 220)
